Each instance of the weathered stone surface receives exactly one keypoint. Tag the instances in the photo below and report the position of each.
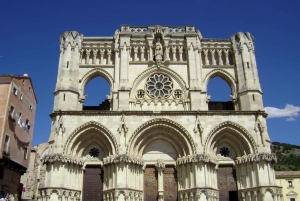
(158, 116)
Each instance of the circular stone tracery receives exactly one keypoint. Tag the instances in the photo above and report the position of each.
(224, 151)
(94, 152)
(159, 86)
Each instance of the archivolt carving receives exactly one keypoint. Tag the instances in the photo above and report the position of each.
(93, 73)
(92, 125)
(156, 69)
(167, 123)
(223, 74)
(234, 127)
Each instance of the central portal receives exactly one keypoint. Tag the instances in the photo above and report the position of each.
(92, 183)
(150, 184)
(169, 183)
(227, 184)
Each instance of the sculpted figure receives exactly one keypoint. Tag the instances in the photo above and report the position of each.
(158, 50)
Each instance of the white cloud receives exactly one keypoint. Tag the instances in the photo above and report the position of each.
(290, 112)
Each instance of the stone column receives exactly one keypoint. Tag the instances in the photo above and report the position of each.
(180, 49)
(135, 49)
(174, 53)
(220, 57)
(206, 62)
(226, 57)
(109, 57)
(142, 49)
(213, 60)
(160, 166)
(87, 56)
(101, 56)
(95, 55)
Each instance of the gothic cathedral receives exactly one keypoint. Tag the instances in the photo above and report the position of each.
(158, 136)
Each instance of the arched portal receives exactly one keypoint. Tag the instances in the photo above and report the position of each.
(88, 134)
(163, 129)
(160, 142)
(92, 189)
(227, 141)
(92, 142)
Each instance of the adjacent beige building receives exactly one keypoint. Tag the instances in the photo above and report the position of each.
(158, 136)
(290, 183)
(17, 112)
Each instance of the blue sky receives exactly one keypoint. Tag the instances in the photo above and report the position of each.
(30, 30)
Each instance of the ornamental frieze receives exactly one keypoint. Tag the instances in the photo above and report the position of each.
(196, 158)
(52, 158)
(123, 158)
(256, 158)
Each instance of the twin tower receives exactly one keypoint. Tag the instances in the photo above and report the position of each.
(158, 136)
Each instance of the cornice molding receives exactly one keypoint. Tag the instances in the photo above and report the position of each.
(159, 113)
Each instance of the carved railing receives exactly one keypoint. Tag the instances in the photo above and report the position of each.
(102, 56)
(216, 52)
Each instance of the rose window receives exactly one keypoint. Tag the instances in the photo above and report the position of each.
(224, 151)
(94, 152)
(159, 86)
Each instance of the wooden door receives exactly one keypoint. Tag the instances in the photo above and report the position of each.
(150, 184)
(170, 183)
(227, 184)
(92, 183)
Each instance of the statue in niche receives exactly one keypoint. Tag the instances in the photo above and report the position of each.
(158, 55)
(60, 129)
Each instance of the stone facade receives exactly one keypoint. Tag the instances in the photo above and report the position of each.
(34, 178)
(159, 137)
(290, 183)
(17, 113)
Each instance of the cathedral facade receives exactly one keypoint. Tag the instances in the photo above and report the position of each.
(158, 136)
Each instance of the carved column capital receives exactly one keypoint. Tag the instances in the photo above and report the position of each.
(160, 165)
(95, 51)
